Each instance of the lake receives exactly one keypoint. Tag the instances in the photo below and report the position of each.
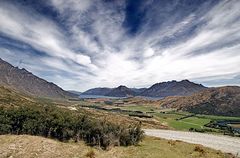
(109, 97)
(99, 96)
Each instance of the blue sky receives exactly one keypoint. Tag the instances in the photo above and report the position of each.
(81, 44)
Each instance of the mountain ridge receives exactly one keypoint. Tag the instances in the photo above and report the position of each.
(172, 88)
(24, 81)
(162, 89)
(121, 91)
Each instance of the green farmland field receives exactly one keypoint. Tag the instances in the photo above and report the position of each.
(169, 118)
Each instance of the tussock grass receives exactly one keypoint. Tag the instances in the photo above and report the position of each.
(25, 146)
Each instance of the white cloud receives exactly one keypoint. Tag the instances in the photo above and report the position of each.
(74, 5)
(37, 31)
(109, 56)
(148, 53)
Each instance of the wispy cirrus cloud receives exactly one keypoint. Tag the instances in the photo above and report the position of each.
(108, 43)
(37, 31)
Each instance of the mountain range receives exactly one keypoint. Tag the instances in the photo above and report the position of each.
(24, 81)
(182, 95)
(160, 90)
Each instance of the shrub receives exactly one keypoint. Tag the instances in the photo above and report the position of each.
(64, 125)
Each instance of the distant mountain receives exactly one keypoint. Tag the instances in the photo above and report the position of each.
(213, 101)
(138, 90)
(75, 92)
(121, 91)
(163, 89)
(23, 81)
(97, 91)
(172, 88)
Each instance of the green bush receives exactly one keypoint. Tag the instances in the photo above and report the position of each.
(64, 125)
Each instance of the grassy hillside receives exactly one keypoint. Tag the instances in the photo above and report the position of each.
(10, 98)
(213, 101)
(32, 146)
(24, 115)
(222, 101)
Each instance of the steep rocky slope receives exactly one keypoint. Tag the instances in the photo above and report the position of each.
(24, 81)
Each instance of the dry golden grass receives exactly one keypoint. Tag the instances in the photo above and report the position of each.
(25, 146)
(123, 119)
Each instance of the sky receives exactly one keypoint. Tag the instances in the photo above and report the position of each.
(81, 44)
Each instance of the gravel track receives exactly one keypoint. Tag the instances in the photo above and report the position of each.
(224, 143)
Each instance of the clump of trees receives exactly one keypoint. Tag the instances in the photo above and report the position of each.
(64, 125)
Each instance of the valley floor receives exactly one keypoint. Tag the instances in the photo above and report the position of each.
(25, 146)
(219, 142)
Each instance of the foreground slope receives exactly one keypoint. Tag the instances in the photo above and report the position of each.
(24, 81)
(214, 101)
(33, 146)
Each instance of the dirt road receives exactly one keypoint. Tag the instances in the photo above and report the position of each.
(224, 143)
